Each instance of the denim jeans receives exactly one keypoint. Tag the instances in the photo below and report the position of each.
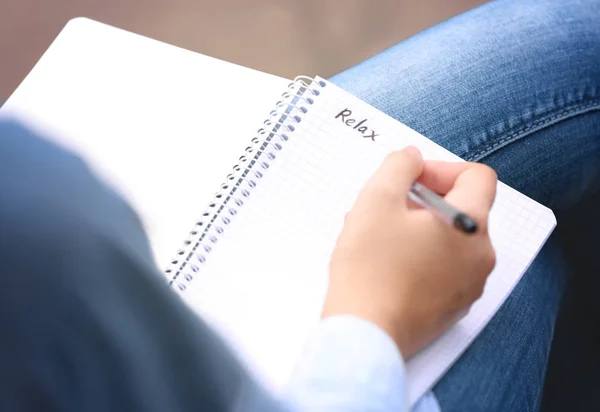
(514, 84)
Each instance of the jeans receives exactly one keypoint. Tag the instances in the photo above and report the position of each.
(514, 84)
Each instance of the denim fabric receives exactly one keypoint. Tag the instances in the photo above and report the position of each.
(515, 85)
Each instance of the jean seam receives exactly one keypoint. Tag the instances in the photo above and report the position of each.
(537, 125)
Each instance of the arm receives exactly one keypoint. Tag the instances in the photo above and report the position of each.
(89, 324)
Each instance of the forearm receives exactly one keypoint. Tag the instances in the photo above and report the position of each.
(81, 294)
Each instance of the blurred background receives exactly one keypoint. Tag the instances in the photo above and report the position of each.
(276, 36)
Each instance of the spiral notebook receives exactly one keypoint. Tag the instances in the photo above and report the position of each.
(255, 265)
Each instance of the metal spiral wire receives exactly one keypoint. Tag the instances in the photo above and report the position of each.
(244, 177)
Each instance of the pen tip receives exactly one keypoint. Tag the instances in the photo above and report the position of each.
(465, 223)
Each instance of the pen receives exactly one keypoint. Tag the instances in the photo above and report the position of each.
(435, 203)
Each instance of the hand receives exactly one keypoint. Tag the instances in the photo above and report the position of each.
(401, 267)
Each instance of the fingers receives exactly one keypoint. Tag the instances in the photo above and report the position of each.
(473, 192)
(398, 172)
(470, 187)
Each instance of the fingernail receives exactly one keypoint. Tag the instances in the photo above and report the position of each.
(413, 151)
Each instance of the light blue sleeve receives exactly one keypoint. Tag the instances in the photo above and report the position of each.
(349, 365)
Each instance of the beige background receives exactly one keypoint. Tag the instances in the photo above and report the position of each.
(282, 37)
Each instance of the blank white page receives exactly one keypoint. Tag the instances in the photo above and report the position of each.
(264, 281)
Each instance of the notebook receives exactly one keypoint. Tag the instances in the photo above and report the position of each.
(255, 265)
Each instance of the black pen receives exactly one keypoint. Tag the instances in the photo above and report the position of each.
(436, 204)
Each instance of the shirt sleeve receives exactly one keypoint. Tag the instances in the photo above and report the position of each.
(348, 364)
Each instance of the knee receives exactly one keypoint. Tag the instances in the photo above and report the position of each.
(554, 40)
(483, 74)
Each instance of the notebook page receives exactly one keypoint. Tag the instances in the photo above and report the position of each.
(264, 283)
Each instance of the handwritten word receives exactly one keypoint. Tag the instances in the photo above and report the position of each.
(367, 133)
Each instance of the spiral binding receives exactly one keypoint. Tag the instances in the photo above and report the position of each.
(257, 158)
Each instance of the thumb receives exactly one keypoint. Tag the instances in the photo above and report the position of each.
(399, 171)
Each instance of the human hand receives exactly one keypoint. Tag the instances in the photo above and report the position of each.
(402, 268)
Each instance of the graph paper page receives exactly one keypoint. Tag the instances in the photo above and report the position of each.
(264, 282)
